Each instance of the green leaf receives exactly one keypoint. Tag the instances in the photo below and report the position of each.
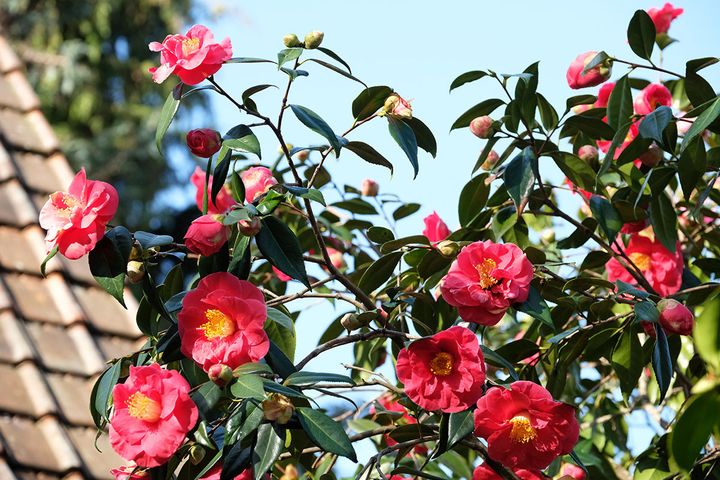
(279, 362)
(335, 69)
(335, 57)
(600, 58)
(149, 240)
(485, 107)
(641, 34)
(706, 334)
(356, 205)
(618, 139)
(310, 193)
(627, 360)
(220, 172)
(288, 55)
(307, 379)
(380, 235)
(280, 333)
(519, 178)
(693, 429)
(701, 123)
(240, 138)
(536, 307)
(580, 235)
(325, 432)
(620, 103)
(405, 138)
(584, 99)
(548, 114)
(108, 261)
(663, 218)
(253, 90)
(497, 360)
(169, 109)
(282, 249)
(369, 154)
(405, 211)
(248, 386)
(370, 101)
(393, 245)
(467, 77)
(662, 361)
(646, 311)
(692, 166)
(576, 169)
(423, 135)
(460, 425)
(248, 60)
(268, 447)
(48, 257)
(593, 127)
(101, 396)
(379, 272)
(313, 121)
(235, 461)
(473, 199)
(655, 122)
(606, 215)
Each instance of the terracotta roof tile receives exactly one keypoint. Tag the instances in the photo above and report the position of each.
(42, 444)
(42, 174)
(69, 349)
(7, 169)
(5, 300)
(5, 472)
(72, 392)
(16, 92)
(44, 300)
(24, 390)
(28, 131)
(18, 209)
(116, 347)
(21, 250)
(106, 314)
(13, 345)
(98, 463)
(8, 59)
(79, 270)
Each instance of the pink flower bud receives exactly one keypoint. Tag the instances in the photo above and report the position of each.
(482, 127)
(220, 374)
(490, 161)
(397, 107)
(435, 228)
(589, 154)
(204, 142)
(302, 155)
(675, 317)
(206, 235)
(595, 76)
(369, 188)
(257, 180)
(129, 472)
(573, 471)
(652, 156)
(663, 17)
(251, 227)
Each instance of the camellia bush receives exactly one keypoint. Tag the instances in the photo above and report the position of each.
(516, 354)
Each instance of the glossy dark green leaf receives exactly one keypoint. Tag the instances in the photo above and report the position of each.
(405, 210)
(325, 432)
(599, 58)
(220, 172)
(581, 234)
(646, 311)
(460, 425)
(548, 114)
(662, 361)
(108, 261)
(519, 178)
(467, 77)
(486, 107)
(379, 272)
(101, 396)
(248, 60)
(268, 447)
(423, 135)
(169, 109)
(618, 139)
(641, 34)
(369, 154)
(248, 386)
(627, 360)
(279, 362)
(310, 193)
(620, 103)
(655, 122)
(692, 165)
(335, 69)
(706, 334)
(536, 307)
(395, 244)
(693, 428)
(306, 379)
(484, 154)
(577, 170)
(335, 57)
(370, 101)
(356, 205)
(282, 336)
(473, 199)
(235, 461)
(584, 99)
(497, 360)
(405, 138)
(281, 248)
(313, 121)
(663, 218)
(240, 138)
(149, 240)
(593, 127)
(380, 235)
(701, 123)
(607, 216)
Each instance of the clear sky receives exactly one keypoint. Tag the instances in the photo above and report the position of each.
(418, 47)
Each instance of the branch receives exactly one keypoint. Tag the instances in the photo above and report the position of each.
(358, 337)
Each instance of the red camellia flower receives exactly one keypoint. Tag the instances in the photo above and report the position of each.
(257, 180)
(193, 57)
(663, 17)
(595, 76)
(485, 279)
(525, 427)
(204, 142)
(75, 220)
(443, 372)
(675, 317)
(207, 235)
(152, 414)
(661, 268)
(221, 322)
(435, 229)
(224, 200)
(484, 472)
(652, 97)
(604, 95)
(129, 472)
(283, 277)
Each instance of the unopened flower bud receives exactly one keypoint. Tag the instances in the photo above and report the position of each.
(135, 271)
(547, 235)
(652, 156)
(220, 374)
(589, 154)
(289, 147)
(302, 155)
(448, 248)
(675, 317)
(291, 40)
(197, 453)
(572, 472)
(204, 142)
(490, 161)
(251, 227)
(350, 322)
(397, 107)
(278, 408)
(314, 39)
(369, 188)
(482, 127)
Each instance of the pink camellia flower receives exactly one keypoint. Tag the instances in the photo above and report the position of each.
(129, 472)
(204, 142)
(221, 322)
(663, 17)
(482, 127)
(75, 220)
(524, 427)
(588, 153)
(485, 279)
(207, 235)
(397, 107)
(336, 257)
(490, 161)
(283, 277)
(224, 199)
(251, 227)
(435, 229)
(573, 471)
(675, 317)
(369, 188)
(604, 95)
(193, 57)
(651, 97)
(257, 180)
(595, 76)
(635, 227)
(153, 412)
(216, 472)
(484, 472)
(660, 267)
(443, 372)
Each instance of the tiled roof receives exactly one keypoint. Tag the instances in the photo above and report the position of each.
(56, 333)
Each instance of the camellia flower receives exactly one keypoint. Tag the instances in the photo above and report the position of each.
(443, 372)
(129, 472)
(524, 427)
(660, 267)
(490, 161)
(206, 235)
(221, 322)
(397, 107)
(369, 188)
(652, 97)
(152, 414)
(282, 276)
(75, 220)
(484, 472)
(204, 142)
(604, 95)
(257, 180)
(663, 17)
(485, 279)
(604, 145)
(482, 127)
(193, 57)
(573, 471)
(675, 317)
(336, 257)
(595, 76)
(224, 200)
(435, 229)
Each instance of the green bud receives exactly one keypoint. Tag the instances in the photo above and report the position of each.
(291, 40)
(313, 39)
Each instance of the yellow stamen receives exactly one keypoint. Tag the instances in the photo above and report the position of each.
(522, 431)
(189, 45)
(218, 325)
(144, 408)
(642, 260)
(484, 269)
(442, 364)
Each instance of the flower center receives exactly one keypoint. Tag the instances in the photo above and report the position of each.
(642, 260)
(189, 45)
(484, 269)
(522, 431)
(442, 364)
(64, 203)
(218, 325)
(143, 408)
